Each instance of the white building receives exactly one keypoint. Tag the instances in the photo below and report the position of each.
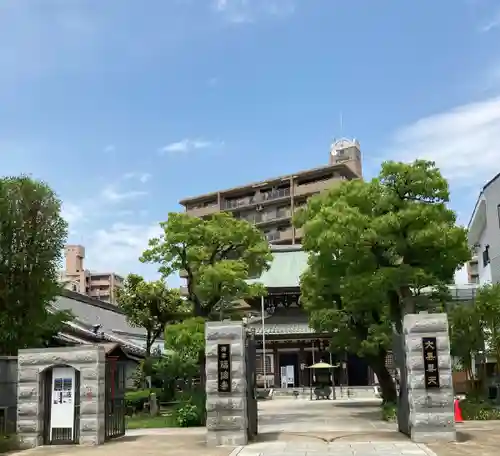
(484, 233)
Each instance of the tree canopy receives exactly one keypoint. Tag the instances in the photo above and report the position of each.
(150, 305)
(32, 237)
(394, 234)
(217, 255)
(373, 247)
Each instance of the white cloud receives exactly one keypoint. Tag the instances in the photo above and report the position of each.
(72, 213)
(464, 142)
(141, 177)
(119, 247)
(112, 195)
(189, 145)
(492, 23)
(246, 11)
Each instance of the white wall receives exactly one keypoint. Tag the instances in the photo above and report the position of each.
(461, 276)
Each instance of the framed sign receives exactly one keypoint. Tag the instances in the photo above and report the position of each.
(431, 366)
(224, 368)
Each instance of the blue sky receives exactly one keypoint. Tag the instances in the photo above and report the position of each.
(125, 107)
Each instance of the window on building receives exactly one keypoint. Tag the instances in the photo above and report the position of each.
(486, 256)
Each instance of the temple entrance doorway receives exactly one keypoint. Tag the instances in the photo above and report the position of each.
(289, 369)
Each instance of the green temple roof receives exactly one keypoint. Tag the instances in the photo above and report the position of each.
(289, 262)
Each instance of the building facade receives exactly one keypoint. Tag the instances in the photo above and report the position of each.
(100, 285)
(484, 233)
(286, 344)
(270, 204)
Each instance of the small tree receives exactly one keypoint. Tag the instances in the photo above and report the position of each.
(466, 335)
(32, 237)
(217, 256)
(488, 308)
(150, 305)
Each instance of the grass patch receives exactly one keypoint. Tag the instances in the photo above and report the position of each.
(389, 412)
(146, 421)
(9, 443)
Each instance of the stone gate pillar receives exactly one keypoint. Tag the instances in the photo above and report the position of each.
(428, 375)
(226, 384)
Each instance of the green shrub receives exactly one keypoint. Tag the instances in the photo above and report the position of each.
(479, 408)
(389, 412)
(9, 442)
(188, 415)
(136, 400)
(191, 411)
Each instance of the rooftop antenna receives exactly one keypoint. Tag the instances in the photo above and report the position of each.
(341, 124)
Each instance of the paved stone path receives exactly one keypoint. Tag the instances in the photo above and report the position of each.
(289, 415)
(335, 449)
(151, 444)
(326, 428)
(296, 428)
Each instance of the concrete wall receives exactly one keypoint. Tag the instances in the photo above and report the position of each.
(431, 411)
(227, 420)
(90, 361)
(8, 393)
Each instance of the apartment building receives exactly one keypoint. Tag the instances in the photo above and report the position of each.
(270, 204)
(484, 233)
(100, 285)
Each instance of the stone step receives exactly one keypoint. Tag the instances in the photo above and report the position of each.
(354, 392)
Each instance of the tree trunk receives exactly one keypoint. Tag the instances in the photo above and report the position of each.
(386, 382)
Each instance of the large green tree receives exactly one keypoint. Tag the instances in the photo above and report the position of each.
(217, 255)
(150, 305)
(32, 237)
(378, 244)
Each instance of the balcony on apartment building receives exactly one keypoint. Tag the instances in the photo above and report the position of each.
(262, 197)
(267, 216)
(203, 209)
(284, 235)
(316, 186)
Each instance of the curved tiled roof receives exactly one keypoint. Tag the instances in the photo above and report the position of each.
(278, 329)
(91, 313)
(289, 262)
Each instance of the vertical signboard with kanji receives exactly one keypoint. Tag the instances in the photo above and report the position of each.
(431, 368)
(224, 367)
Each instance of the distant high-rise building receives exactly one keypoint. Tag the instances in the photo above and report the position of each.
(271, 203)
(100, 285)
